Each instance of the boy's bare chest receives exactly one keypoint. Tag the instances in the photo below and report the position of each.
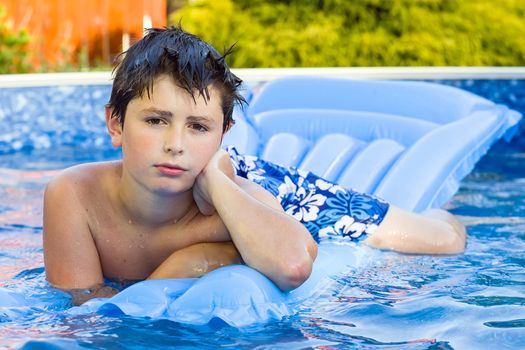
(131, 251)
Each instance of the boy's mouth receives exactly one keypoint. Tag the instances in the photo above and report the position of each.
(170, 169)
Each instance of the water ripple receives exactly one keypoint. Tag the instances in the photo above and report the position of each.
(520, 323)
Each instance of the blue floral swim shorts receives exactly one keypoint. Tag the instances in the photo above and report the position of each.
(327, 210)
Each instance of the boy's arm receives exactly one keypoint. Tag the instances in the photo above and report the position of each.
(266, 237)
(434, 231)
(197, 260)
(70, 254)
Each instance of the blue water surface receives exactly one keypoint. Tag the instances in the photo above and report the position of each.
(471, 301)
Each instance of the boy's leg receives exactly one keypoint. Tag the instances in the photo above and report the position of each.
(327, 210)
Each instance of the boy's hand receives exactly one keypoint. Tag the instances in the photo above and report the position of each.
(219, 163)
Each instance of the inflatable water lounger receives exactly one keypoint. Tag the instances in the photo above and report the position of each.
(410, 143)
(407, 142)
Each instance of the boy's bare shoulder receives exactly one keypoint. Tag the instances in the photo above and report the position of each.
(85, 179)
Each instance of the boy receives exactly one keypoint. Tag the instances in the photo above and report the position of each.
(174, 207)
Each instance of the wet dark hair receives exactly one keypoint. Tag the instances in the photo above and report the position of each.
(193, 63)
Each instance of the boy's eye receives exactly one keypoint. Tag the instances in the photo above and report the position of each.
(155, 121)
(199, 127)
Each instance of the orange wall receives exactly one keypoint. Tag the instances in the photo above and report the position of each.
(60, 28)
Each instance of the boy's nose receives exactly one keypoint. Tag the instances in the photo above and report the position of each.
(174, 142)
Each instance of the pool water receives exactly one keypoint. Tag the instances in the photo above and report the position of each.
(471, 301)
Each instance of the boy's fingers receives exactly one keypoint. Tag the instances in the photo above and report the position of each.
(204, 206)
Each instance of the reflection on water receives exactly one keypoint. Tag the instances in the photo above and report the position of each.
(470, 301)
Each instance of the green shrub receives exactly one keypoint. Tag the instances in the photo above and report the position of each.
(14, 52)
(316, 33)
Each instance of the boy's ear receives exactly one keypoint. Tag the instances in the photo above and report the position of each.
(229, 126)
(114, 128)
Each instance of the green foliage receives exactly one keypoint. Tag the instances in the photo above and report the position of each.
(316, 33)
(14, 52)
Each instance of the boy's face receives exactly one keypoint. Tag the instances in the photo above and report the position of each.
(168, 137)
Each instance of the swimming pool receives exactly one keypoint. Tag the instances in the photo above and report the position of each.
(472, 301)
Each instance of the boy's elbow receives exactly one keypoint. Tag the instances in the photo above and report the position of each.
(294, 276)
(296, 273)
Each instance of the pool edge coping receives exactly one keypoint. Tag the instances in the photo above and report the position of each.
(265, 74)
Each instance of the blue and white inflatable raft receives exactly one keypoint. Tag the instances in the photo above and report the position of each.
(410, 143)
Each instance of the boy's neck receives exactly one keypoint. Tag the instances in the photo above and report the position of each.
(146, 208)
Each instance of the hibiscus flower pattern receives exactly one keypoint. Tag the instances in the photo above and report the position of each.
(329, 211)
(346, 227)
(307, 204)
